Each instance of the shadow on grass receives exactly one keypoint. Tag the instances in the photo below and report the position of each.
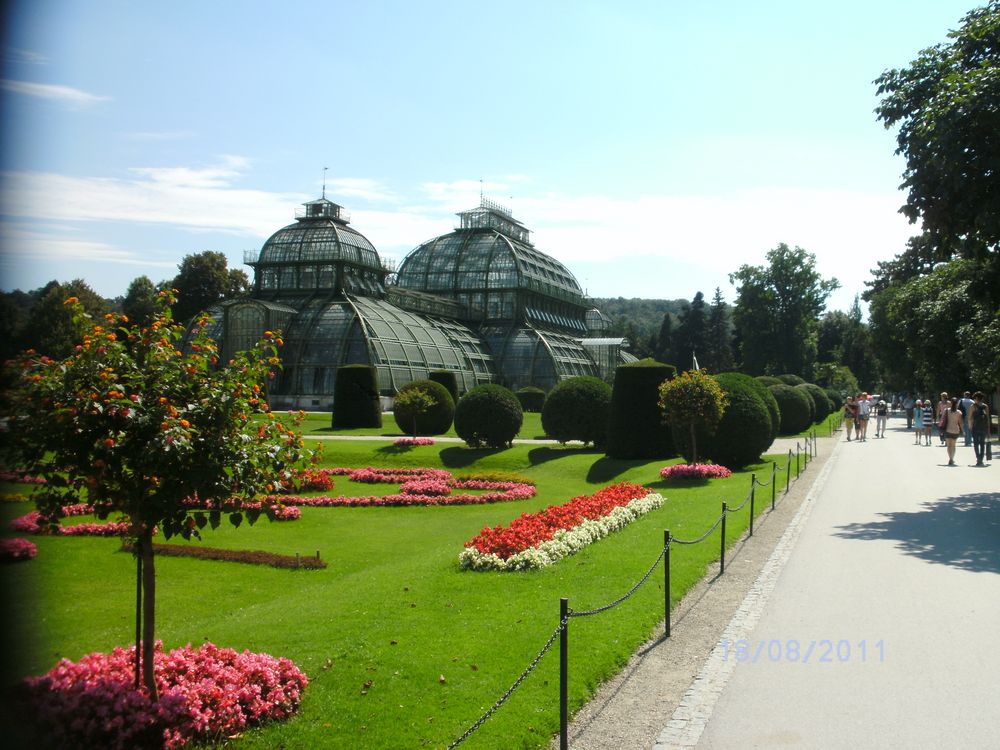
(958, 531)
(459, 458)
(605, 469)
(394, 450)
(548, 453)
(666, 484)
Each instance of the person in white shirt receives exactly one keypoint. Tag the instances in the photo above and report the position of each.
(881, 417)
(864, 411)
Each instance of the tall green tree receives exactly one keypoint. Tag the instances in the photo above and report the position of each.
(664, 350)
(140, 303)
(691, 336)
(777, 312)
(204, 279)
(719, 340)
(52, 328)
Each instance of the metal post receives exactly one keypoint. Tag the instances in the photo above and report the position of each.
(798, 451)
(753, 493)
(564, 675)
(666, 582)
(722, 543)
(788, 471)
(774, 473)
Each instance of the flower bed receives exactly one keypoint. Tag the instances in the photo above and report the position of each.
(535, 540)
(695, 471)
(406, 442)
(30, 524)
(20, 478)
(206, 694)
(13, 550)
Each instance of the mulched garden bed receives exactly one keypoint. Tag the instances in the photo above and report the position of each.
(249, 556)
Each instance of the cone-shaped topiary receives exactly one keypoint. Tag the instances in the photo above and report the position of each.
(423, 407)
(795, 406)
(488, 415)
(577, 409)
(636, 428)
(355, 398)
(744, 432)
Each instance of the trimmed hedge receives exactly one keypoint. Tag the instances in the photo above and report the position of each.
(577, 409)
(836, 398)
(448, 379)
(355, 398)
(488, 415)
(789, 379)
(635, 427)
(770, 402)
(436, 420)
(820, 400)
(796, 408)
(768, 380)
(531, 399)
(745, 430)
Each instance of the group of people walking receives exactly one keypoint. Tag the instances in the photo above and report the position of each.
(954, 417)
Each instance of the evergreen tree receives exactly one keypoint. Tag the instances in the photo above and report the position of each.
(692, 332)
(719, 347)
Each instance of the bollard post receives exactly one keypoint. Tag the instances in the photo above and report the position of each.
(774, 473)
(798, 451)
(753, 493)
(722, 543)
(788, 471)
(666, 582)
(563, 675)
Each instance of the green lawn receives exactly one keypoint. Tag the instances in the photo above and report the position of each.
(402, 648)
(318, 423)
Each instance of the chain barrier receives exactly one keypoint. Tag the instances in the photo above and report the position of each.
(702, 538)
(510, 691)
(743, 504)
(619, 600)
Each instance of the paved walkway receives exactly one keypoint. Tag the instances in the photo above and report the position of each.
(876, 621)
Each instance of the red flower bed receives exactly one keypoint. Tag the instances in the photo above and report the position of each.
(206, 694)
(531, 529)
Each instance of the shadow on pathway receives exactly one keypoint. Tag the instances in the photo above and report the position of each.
(962, 531)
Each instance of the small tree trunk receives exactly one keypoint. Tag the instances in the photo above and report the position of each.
(694, 446)
(148, 612)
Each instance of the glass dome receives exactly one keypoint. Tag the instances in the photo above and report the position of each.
(318, 251)
(489, 265)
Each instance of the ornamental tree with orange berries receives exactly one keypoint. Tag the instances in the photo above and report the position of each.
(144, 424)
(693, 400)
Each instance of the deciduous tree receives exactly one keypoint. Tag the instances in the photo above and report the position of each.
(691, 402)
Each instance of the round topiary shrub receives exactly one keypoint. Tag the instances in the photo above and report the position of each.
(836, 398)
(356, 401)
(789, 379)
(531, 399)
(635, 427)
(820, 400)
(423, 407)
(768, 380)
(770, 402)
(448, 379)
(488, 415)
(744, 432)
(577, 409)
(795, 406)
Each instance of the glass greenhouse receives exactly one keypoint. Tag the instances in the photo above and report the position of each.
(481, 302)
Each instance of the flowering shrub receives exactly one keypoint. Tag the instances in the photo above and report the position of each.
(16, 549)
(695, 471)
(32, 523)
(315, 479)
(13, 497)
(205, 694)
(404, 442)
(535, 540)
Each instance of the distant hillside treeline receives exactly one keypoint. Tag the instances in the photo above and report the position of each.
(639, 317)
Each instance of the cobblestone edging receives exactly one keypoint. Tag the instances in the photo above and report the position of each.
(689, 719)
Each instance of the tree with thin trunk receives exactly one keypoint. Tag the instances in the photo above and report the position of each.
(151, 431)
(693, 400)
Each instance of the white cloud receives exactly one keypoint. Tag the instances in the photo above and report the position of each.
(22, 245)
(55, 92)
(16, 55)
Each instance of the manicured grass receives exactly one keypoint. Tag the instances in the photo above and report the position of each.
(318, 423)
(402, 648)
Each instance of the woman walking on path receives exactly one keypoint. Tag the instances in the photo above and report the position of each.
(881, 416)
(928, 413)
(942, 406)
(918, 421)
(979, 425)
(952, 429)
(850, 416)
(864, 407)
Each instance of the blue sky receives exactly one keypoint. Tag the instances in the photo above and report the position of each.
(652, 147)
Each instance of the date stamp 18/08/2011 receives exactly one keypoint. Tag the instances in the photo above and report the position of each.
(795, 651)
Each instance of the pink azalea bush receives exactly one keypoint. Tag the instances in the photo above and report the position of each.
(404, 442)
(31, 523)
(206, 694)
(12, 550)
(695, 471)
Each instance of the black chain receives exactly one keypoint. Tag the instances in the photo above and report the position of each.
(510, 691)
(702, 538)
(616, 602)
(743, 504)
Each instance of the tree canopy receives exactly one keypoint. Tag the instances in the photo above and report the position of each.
(777, 311)
(204, 279)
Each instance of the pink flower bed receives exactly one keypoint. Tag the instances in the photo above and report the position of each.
(12, 550)
(425, 487)
(695, 471)
(20, 478)
(409, 441)
(372, 475)
(206, 694)
(29, 524)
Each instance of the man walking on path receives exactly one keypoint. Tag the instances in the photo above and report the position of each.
(880, 628)
(965, 406)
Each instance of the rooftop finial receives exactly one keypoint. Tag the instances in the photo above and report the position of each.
(324, 181)
(480, 191)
